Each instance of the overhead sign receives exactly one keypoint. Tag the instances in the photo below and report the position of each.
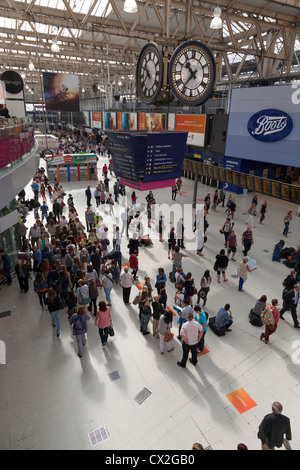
(270, 125)
(61, 92)
(13, 82)
(194, 124)
(147, 157)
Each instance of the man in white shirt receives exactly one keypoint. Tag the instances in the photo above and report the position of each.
(34, 234)
(125, 222)
(191, 333)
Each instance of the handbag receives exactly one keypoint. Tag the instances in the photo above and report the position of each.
(202, 294)
(168, 337)
(136, 300)
(110, 330)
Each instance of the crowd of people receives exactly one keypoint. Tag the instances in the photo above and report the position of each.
(75, 267)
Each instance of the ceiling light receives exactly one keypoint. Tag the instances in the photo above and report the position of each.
(130, 6)
(216, 22)
(54, 46)
(31, 66)
(119, 83)
(83, 90)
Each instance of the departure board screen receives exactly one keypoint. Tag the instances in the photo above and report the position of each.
(228, 176)
(216, 173)
(164, 155)
(275, 187)
(236, 178)
(267, 187)
(243, 180)
(295, 195)
(122, 155)
(285, 191)
(250, 182)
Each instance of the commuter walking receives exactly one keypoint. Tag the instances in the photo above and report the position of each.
(79, 321)
(275, 429)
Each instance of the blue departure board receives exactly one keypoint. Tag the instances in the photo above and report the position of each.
(165, 154)
(147, 157)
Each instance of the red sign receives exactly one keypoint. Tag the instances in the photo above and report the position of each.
(68, 159)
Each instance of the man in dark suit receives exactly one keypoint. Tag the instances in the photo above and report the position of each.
(88, 194)
(274, 428)
(290, 299)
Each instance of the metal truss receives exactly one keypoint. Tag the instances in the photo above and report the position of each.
(259, 40)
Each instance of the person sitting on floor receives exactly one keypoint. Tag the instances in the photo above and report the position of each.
(224, 318)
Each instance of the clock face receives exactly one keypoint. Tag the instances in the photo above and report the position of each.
(149, 73)
(192, 73)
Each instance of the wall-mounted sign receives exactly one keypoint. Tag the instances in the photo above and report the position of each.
(13, 82)
(270, 125)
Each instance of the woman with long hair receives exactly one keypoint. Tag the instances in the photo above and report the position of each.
(103, 321)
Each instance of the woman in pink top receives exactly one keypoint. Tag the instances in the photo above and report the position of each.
(103, 321)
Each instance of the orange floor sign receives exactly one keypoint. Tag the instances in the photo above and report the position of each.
(241, 400)
(205, 351)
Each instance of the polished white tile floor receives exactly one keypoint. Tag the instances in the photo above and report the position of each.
(50, 399)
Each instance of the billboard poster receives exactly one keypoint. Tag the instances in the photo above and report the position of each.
(194, 124)
(155, 122)
(119, 121)
(111, 121)
(141, 121)
(264, 125)
(96, 120)
(61, 92)
(129, 122)
(86, 118)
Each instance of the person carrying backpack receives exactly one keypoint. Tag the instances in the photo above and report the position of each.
(79, 322)
(270, 318)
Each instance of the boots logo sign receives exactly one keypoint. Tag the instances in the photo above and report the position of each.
(270, 125)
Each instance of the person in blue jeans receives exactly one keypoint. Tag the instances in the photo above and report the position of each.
(200, 317)
(224, 318)
(108, 283)
(161, 280)
(145, 314)
(286, 221)
(54, 307)
(79, 322)
(40, 287)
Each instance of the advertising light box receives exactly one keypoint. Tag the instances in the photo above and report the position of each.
(194, 125)
(264, 124)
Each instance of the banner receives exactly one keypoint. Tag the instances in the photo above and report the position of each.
(86, 118)
(155, 122)
(96, 120)
(194, 124)
(111, 121)
(61, 92)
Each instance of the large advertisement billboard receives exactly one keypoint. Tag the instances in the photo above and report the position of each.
(61, 92)
(194, 125)
(264, 124)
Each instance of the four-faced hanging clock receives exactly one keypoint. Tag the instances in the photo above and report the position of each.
(192, 73)
(149, 73)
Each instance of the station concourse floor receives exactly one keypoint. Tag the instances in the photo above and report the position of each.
(51, 399)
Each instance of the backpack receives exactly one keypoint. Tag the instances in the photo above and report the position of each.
(83, 295)
(267, 316)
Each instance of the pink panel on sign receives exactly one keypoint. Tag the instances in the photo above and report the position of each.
(149, 185)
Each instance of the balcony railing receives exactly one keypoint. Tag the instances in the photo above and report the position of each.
(16, 140)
